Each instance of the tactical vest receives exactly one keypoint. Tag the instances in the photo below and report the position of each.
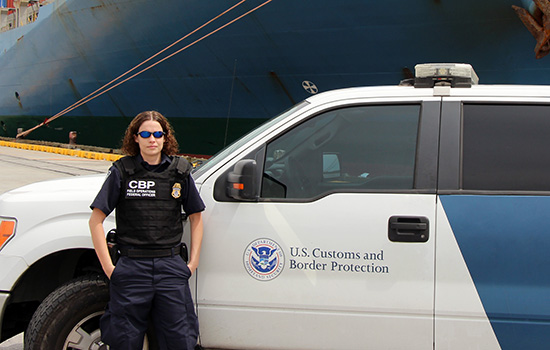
(149, 210)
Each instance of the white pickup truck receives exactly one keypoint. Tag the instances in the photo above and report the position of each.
(396, 217)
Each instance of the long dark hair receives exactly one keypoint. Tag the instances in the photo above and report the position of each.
(131, 148)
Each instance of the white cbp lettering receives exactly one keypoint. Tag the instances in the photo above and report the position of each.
(141, 184)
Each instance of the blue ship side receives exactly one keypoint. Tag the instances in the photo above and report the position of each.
(245, 73)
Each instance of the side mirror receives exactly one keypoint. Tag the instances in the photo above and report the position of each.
(241, 182)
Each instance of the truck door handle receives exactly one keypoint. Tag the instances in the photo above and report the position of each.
(408, 229)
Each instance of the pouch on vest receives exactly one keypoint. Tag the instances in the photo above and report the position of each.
(112, 246)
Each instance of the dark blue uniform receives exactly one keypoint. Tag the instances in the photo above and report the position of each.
(154, 287)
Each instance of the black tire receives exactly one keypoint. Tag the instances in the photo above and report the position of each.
(69, 317)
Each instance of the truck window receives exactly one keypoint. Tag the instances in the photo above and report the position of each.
(506, 147)
(361, 148)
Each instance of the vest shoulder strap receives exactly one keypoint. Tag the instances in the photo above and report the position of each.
(183, 166)
(126, 165)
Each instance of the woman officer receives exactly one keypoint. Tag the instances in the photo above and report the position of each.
(148, 188)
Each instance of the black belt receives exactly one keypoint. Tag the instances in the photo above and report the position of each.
(149, 253)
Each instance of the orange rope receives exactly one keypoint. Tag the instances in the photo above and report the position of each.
(96, 92)
(70, 108)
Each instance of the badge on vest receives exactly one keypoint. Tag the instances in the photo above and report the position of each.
(176, 190)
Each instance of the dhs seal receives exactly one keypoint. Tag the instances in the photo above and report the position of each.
(264, 259)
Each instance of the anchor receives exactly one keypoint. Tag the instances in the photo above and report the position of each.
(538, 24)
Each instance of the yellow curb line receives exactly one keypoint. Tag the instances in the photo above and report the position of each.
(63, 151)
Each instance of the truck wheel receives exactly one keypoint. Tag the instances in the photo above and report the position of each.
(69, 317)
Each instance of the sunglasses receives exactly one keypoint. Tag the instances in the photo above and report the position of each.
(147, 134)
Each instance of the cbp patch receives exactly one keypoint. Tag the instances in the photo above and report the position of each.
(141, 189)
(176, 190)
(264, 259)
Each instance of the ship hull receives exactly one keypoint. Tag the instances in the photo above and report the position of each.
(247, 72)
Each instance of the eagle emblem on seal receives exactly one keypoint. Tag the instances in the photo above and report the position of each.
(264, 259)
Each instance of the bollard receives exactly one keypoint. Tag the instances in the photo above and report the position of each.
(72, 138)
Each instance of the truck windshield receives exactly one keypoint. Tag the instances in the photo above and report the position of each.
(221, 155)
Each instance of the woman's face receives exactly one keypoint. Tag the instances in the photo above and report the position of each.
(150, 147)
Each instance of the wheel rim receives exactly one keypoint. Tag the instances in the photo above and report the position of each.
(85, 335)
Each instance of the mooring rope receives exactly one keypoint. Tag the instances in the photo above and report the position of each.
(104, 88)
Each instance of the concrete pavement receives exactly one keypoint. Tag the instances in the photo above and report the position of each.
(19, 167)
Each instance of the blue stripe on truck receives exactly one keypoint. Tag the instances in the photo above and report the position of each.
(505, 241)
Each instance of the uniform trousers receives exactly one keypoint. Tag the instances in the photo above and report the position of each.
(144, 288)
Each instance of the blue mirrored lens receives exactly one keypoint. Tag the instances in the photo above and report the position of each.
(147, 134)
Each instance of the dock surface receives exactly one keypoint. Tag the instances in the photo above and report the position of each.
(19, 167)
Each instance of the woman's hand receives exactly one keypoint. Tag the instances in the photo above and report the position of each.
(192, 268)
(109, 270)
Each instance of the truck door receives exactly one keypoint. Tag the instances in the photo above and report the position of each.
(335, 247)
(492, 247)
